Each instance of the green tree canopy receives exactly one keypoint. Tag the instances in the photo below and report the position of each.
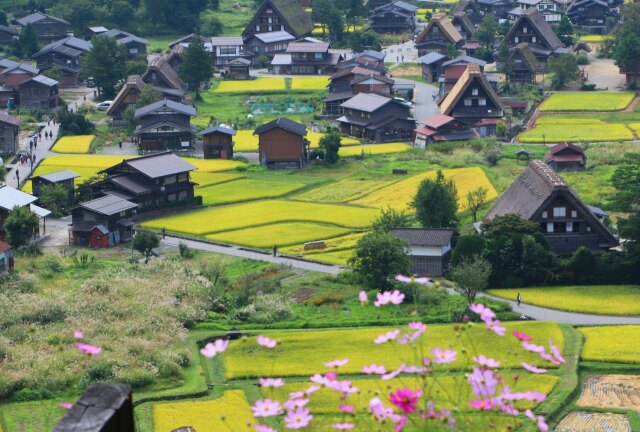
(27, 44)
(436, 203)
(106, 64)
(20, 225)
(626, 180)
(196, 67)
(471, 276)
(467, 247)
(564, 69)
(378, 257)
(54, 197)
(144, 242)
(148, 95)
(488, 31)
(391, 218)
(331, 143)
(626, 50)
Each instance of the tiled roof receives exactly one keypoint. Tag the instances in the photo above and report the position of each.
(38, 16)
(59, 176)
(367, 102)
(6, 118)
(284, 123)
(159, 164)
(219, 128)
(276, 36)
(423, 237)
(11, 197)
(108, 205)
(165, 103)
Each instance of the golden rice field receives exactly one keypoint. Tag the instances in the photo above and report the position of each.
(246, 141)
(553, 130)
(246, 190)
(214, 165)
(302, 353)
(593, 38)
(275, 84)
(230, 412)
(374, 149)
(602, 344)
(400, 194)
(226, 218)
(338, 250)
(595, 299)
(611, 391)
(343, 190)
(585, 421)
(587, 101)
(282, 234)
(309, 83)
(73, 144)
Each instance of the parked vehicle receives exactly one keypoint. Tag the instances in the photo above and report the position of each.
(103, 106)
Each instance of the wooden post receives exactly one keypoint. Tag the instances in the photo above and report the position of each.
(102, 408)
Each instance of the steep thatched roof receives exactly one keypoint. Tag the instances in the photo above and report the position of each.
(471, 74)
(529, 59)
(537, 22)
(442, 21)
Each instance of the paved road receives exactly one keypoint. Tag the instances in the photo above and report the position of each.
(424, 106)
(400, 53)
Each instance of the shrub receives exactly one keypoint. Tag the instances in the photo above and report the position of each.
(582, 59)
(28, 394)
(185, 251)
(326, 298)
(265, 309)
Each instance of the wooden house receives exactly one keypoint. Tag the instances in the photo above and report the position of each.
(432, 66)
(499, 8)
(377, 118)
(394, 17)
(591, 15)
(305, 58)
(7, 97)
(129, 94)
(374, 4)
(66, 54)
(372, 83)
(566, 157)
(164, 125)
(538, 34)
(524, 65)
(225, 49)
(474, 101)
(160, 74)
(175, 56)
(282, 144)
(47, 27)
(6, 257)
(342, 78)
(38, 94)
(9, 131)
(64, 178)
(462, 23)
(551, 10)
(94, 31)
(15, 74)
(10, 198)
(153, 181)
(441, 128)
(102, 222)
(134, 46)
(471, 9)
(185, 40)
(7, 35)
(217, 142)
(280, 15)
(438, 36)
(542, 196)
(370, 57)
(453, 69)
(264, 46)
(239, 69)
(428, 249)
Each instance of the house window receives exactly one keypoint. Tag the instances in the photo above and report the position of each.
(482, 102)
(255, 48)
(474, 92)
(257, 28)
(574, 214)
(269, 11)
(171, 197)
(588, 228)
(559, 227)
(467, 102)
(516, 39)
(270, 20)
(270, 28)
(319, 56)
(169, 180)
(435, 30)
(544, 215)
(549, 227)
(524, 29)
(533, 39)
(569, 227)
(183, 195)
(153, 76)
(559, 212)
(182, 177)
(133, 50)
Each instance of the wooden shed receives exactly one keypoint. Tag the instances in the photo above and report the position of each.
(217, 142)
(239, 69)
(282, 144)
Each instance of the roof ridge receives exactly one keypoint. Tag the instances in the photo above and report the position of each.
(547, 174)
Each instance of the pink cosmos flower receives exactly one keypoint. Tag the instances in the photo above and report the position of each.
(374, 369)
(485, 313)
(217, 347)
(414, 369)
(508, 409)
(66, 405)
(78, 334)
(87, 349)
(522, 336)
(556, 352)
(532, 368)
(444, 356)
(343, 426)
(412, 279)
(266, 408)
(483, 382)
(482, 404)
(549, 358)
(266, 342)
(383, 338)
(298, 419)
(363, 297)
(293, 404)
(532, 347)
(400, 422)
(337, 363)
(347, 409)
(393, 374)
(534, 396)
(406, 400)
(271, 382)
(262, 428)
(485, 361)
(311, 389)
(379, 411)
(542, 425)
(395, 297)
(496, 327)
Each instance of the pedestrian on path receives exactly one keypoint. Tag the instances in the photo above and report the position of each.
(519, 299)
(35, 144)
(164, 232)
(275, 250)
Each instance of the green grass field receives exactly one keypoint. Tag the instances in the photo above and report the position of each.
(597, 299)
(343, 190)
(303, 353)
(613, 344)
(578, 131)
(587, 101)
(246, 190)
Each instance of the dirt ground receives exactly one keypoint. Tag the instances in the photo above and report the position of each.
(604, 74)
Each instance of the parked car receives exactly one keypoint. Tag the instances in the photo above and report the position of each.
(103, 106)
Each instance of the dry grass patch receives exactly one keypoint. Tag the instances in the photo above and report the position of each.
(611, 391)
(592, 422)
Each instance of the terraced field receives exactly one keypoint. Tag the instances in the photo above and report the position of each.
(73, 144)
(243, 190)
(611, 391)
(592, 422)
(584, 101)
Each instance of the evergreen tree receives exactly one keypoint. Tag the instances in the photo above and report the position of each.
(28, 43)
(330, 143)
(148, 95)
(354, 10)
(106, 63)
(626, 51)
(488, 31)
(196, 67)
(564, 69)
(564, 30)
(436, 203)
(378, 257)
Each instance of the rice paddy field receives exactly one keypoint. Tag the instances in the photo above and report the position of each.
(555, 129)
(276, 84)
(75, 144)
(613, 344)
(593, 299)
(268, 235)
(376, 149)
(246, 190)
(246, 141)
(587, 101)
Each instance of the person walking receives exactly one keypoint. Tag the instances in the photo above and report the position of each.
(275, 250)
(164, 232)
(519, 299)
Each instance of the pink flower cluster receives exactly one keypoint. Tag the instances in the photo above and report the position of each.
(487, 315)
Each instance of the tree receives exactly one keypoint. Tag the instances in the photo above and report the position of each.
(488, 31)
(468, 246)
(583, 266)
(475, 199)
(55, 73)
(330, 144)
(54, 197)
(436, 203)
(564, 69)
(508, 225)
(565, 31)
(321, 14)
(391, 218)
(196, 67)
(27, 42)
(106, 64)
(148, 95)
(211, 25)
(83, 190)
(355, 9)
(504, 61)
(135, 67)
(144, 242)
(626, 51)
(378, 257)
(471, 276)
(121, 13)
(3, 18)
(626, 180)
(20, 225)
(79, 13)
(360, 41)
(74, 123)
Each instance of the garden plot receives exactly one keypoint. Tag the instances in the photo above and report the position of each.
(603, 344)
(231, 412)
(400, 194)
(591, 422)
(73, 144)
(302, 353)
(246, 190)
(611, 391)
(587, 101)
